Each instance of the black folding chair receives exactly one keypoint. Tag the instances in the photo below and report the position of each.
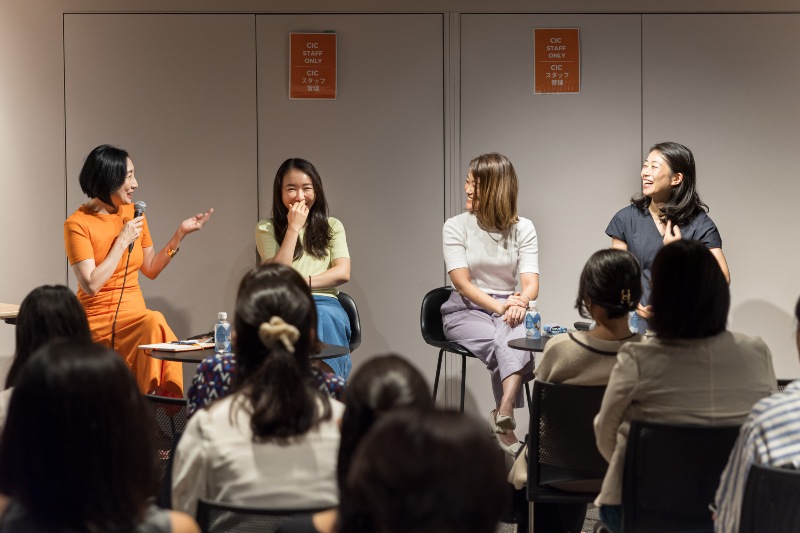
(430, 324)
(564, 465)
(771, 501)
(349, 306)
(170, 418)
(671, 475)
(220, 517)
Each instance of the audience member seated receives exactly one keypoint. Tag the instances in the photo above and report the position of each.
(216, 374)
(692, 372)
(770, 436)
(47, 312)
(78, 451)
(609, 289)
(382, 384)
(272, 443)
(425, 472)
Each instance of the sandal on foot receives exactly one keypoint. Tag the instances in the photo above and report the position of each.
(510, 449)
(493, 427)
(505, 422)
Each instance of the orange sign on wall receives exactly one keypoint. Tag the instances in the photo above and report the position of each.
(557, 60)
(312, 65)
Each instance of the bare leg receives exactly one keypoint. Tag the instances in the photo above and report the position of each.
(511, 387)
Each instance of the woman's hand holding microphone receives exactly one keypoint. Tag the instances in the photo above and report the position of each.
(130, 231)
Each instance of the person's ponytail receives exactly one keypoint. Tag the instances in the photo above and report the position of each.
(282, 396)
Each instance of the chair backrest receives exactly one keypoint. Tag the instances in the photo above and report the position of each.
(430, 315)
(220, 517)
(783, 382)
(671, 475)
(170, 414)
(349, 306)
(562, 451)
(771, 501)
(170, 418)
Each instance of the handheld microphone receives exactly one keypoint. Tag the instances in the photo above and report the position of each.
(138, 210)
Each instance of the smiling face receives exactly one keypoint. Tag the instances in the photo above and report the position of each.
(472, 193)
(658, 178)
(297, 187)
(124, 195)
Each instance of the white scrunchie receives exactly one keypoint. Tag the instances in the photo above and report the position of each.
(276, 330)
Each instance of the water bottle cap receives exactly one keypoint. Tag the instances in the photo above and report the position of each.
(532, 304)
(222, 316)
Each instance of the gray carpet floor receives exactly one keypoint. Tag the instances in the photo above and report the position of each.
(588, 525)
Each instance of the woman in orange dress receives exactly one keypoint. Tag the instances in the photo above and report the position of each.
(97, 238)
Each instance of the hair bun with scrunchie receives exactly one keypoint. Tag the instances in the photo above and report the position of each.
(277, 330)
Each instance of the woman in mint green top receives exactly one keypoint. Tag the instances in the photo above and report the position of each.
(300, 234)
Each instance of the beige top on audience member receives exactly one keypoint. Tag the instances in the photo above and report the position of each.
(710, 382)
(5, 399)
(217, 459)
(579, 359)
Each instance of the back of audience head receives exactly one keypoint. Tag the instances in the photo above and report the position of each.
(797, 318)
(275, 332)
(690, 296)
(78, 449)
(47, 312)
(383, 383)
(611, 280)
(425, 472)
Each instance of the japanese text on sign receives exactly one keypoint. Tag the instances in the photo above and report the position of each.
(557, 64)
(312, 60)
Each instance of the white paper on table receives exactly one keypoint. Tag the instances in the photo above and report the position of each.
(171, 347)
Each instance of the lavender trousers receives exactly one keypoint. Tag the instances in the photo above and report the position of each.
(486, 335)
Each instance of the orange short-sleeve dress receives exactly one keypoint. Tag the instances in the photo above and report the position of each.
(88, 235)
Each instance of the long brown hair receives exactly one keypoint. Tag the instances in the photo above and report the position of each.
(496, 191)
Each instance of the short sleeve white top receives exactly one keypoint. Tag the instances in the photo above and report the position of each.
(494, 258)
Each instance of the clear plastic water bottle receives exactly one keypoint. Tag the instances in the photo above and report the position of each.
(222, 334)
(633, 322)
(533, 322)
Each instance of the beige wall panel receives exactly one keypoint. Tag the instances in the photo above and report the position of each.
(435, 6)
(576, 156)
(178, 92)
(726, 86)
(379, 149)
(31, 153)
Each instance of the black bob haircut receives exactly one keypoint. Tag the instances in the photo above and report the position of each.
(690, 296)
(103, 172)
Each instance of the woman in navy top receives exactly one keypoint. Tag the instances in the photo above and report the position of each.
(668, 208)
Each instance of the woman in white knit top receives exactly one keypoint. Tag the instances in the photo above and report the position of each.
(484, 251)
(609, 289)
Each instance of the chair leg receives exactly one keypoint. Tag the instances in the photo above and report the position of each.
(438, 370)
(463, 379)
(530, 517)
(528, 394)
